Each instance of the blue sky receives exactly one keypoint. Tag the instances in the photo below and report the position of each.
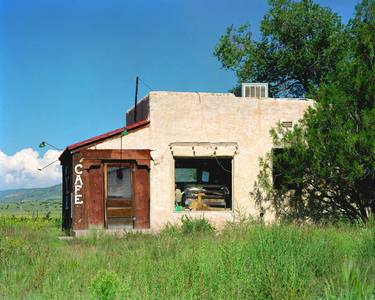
(67, 67)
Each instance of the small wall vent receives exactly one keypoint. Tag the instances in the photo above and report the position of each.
(255, 90)
(287, 124)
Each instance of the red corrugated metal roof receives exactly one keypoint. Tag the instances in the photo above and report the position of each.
(106, 135)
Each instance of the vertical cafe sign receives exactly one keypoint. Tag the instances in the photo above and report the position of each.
(78, 183)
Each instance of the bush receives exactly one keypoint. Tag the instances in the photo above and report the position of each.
(105, 285)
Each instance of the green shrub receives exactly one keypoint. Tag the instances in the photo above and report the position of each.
(105, 285)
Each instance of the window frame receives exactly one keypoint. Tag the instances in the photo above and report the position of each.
(231, 190)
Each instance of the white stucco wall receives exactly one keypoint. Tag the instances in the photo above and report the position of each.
(240, 126)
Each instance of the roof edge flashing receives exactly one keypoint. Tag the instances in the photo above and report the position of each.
(102, 137)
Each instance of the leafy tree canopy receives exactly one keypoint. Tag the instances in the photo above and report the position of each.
(329, 157)
(300, 44)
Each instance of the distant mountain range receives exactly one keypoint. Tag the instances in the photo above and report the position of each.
(35, 194)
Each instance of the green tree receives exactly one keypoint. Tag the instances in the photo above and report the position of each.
(299, 45)
(327, 167)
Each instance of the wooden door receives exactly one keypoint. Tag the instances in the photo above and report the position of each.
(119, 195)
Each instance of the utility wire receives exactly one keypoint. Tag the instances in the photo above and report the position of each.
(148, 86)
(41, 168)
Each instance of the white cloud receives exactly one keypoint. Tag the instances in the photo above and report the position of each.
(21, 169)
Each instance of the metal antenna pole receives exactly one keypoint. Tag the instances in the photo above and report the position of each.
(135, 99)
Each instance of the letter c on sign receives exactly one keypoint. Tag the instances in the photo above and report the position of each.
(80, 168)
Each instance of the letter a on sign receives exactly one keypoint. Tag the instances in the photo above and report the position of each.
(78, 180)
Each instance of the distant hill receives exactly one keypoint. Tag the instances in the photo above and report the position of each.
(34, 195)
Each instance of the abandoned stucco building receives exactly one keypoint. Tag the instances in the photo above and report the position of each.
(184, 153)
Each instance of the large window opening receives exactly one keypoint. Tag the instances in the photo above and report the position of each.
(203, 184)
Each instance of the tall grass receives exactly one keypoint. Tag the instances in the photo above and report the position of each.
(249, 260)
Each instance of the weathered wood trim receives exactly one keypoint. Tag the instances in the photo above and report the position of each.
(80, 146)
(67, 184)
(142, 197)
(94, 195)
(127, 154)
(120, 212)
(79, 218)
(141, 157)
(92, 213)
(91, 164)
(114, 202)
(105, 183)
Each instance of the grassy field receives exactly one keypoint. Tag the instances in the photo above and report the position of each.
(50, 207)
(32, 202)
(245, 261)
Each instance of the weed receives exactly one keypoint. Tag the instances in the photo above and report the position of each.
(247, 260)
(353, 284)
(106, 285)
(195, 225)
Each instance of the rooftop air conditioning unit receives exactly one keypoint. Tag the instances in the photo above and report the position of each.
(255, 90)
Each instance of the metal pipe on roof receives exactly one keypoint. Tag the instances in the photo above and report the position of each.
(135, 99)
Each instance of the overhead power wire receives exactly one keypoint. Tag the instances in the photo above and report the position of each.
(46, 166)
(147, 85)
